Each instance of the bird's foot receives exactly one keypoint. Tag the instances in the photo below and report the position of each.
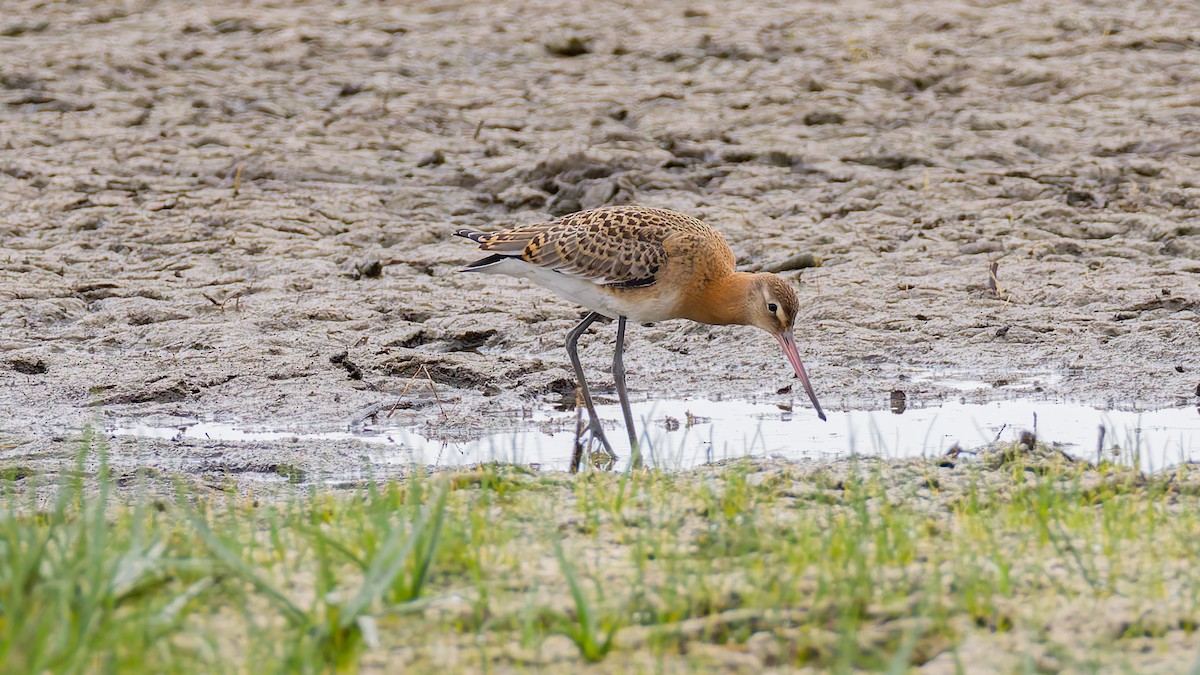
(597, 436)
(635, 457)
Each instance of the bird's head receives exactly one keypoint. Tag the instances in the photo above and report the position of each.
(772, 305)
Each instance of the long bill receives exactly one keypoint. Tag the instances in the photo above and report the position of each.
(788, 342)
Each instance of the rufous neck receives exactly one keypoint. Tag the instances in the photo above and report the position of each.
(722, 301)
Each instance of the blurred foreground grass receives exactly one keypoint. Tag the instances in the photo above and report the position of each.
(1010, 562)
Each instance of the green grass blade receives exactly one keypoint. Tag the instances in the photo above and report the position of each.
(294, 615)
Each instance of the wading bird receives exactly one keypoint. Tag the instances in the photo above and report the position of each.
(648, 265)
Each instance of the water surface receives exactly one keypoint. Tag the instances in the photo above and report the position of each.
(679, 434)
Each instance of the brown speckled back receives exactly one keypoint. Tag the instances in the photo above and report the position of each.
(615, 245)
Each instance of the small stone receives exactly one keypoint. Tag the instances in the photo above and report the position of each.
(435, 158)
(569, 46)
(29, 366)
(368, 269)
(1080, 198)
(816, 118)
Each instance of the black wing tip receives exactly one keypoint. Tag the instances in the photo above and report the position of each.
(484, 262)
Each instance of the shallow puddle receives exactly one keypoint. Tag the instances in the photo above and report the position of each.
(678, 434)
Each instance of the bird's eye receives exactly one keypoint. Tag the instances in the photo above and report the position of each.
(772, 307)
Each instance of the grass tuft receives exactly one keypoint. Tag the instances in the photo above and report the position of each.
(1018, 560)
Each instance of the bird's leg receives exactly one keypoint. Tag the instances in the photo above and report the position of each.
(573, 352)
(618, 372)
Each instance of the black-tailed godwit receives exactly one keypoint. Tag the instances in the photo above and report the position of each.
(648, 265)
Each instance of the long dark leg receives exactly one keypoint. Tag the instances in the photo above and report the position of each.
(573, 352)
(618, 371)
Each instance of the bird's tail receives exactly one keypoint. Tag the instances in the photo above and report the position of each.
(477, 237)
(473, 235)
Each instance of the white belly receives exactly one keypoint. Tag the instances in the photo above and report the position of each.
(646, 308)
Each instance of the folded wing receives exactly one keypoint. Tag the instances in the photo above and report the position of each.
(616, 246)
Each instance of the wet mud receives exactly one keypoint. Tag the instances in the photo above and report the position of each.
(241, 211)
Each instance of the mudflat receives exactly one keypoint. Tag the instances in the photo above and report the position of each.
(242, 211)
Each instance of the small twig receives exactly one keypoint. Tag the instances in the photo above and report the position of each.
(433, 388)
(404, 392)
(478, 128)
(993, 280)
(237, 179)
(993, 283)
(412, 380)
(998, 433)
(237, 301)
(797, 262)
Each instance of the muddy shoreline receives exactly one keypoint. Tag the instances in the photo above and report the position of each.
(199, 207)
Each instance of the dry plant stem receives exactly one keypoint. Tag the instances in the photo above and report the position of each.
(993, 283)
(433, 388)
(412, 380)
